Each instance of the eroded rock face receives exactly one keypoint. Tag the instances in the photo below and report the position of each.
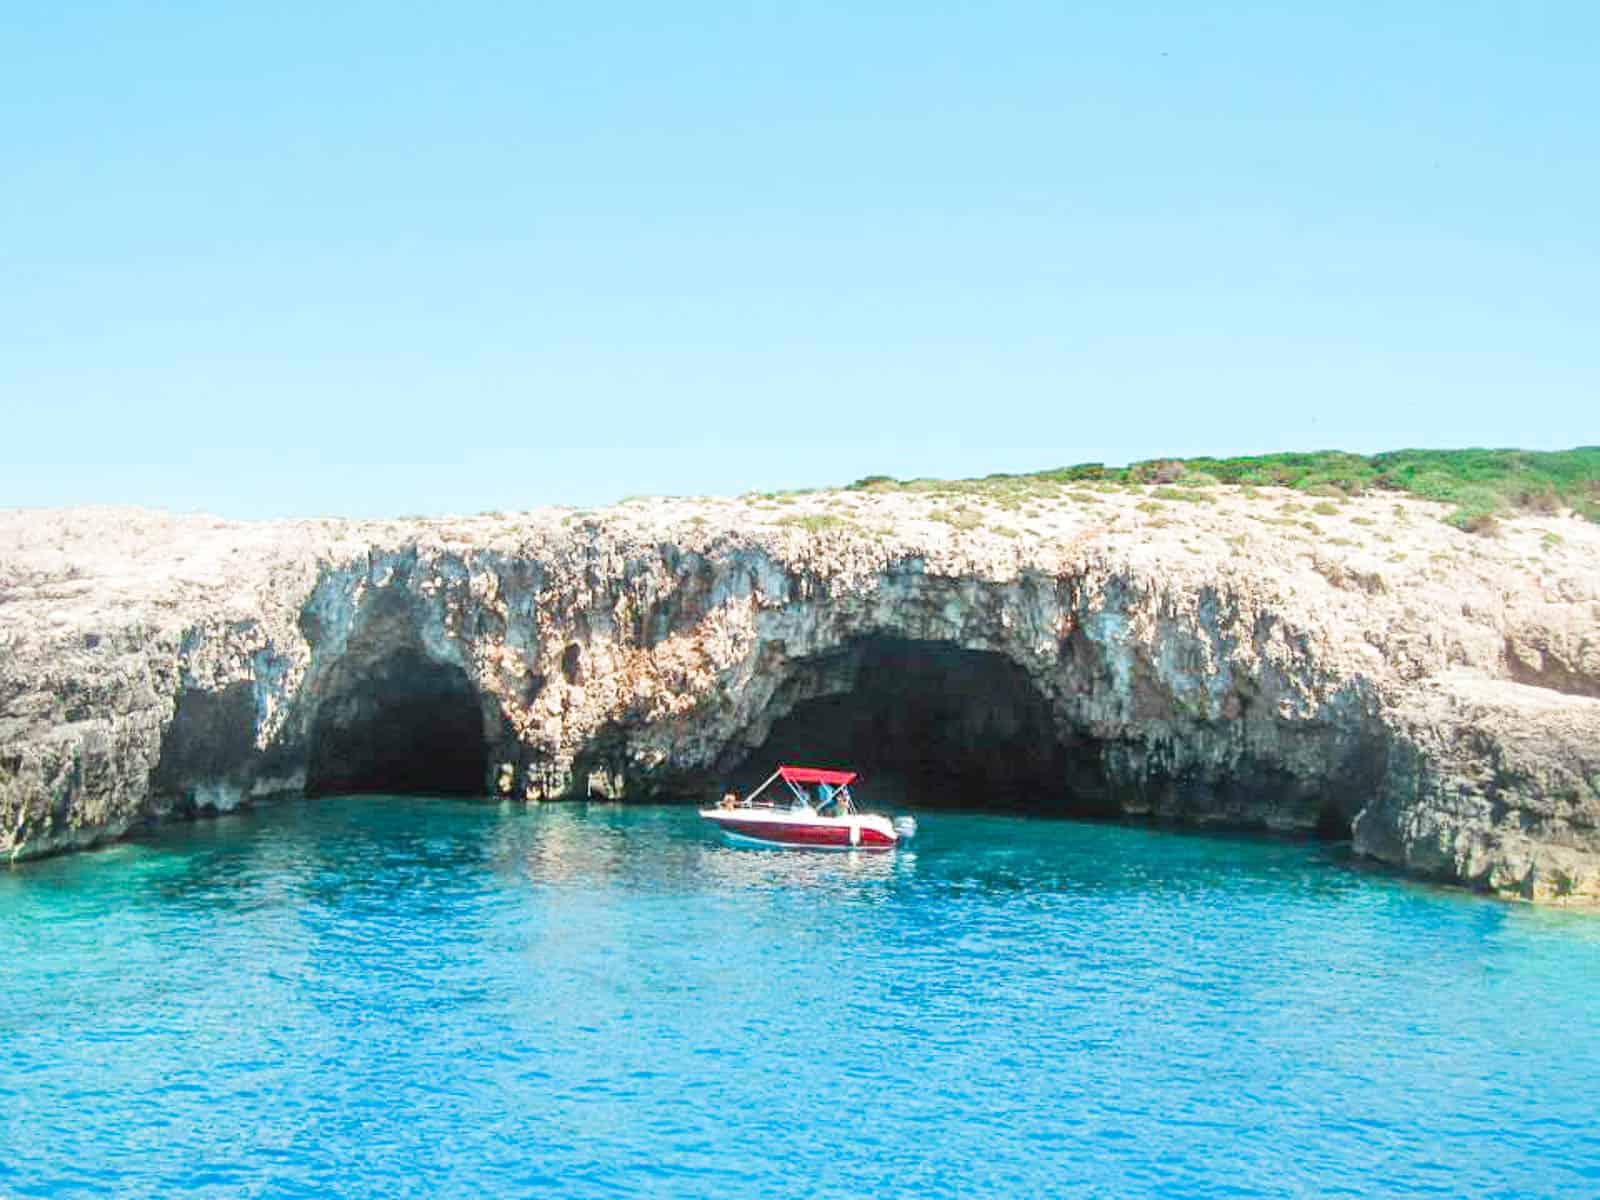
(1372, 673)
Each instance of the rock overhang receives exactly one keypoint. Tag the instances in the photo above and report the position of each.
(630, 649)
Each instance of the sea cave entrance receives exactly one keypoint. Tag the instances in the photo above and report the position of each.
(394, 719)
(930, 724)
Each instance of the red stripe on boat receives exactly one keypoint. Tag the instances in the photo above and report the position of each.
(799, 835)
(792, 834)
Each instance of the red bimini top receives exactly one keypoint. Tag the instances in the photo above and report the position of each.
(816, 775)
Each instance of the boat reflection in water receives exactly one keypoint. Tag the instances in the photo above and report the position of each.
(732, 869)
(651, 848)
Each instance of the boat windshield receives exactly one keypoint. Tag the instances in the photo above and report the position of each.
(809, 789)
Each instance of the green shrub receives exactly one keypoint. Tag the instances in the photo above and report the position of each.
(1479, 483)
(1473, 520)
(814, 522)
(1164, 470)
(957, 518)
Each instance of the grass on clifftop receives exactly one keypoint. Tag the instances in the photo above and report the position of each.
(1482, 484)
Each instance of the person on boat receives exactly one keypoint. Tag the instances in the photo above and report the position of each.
(730, 799)
(826, 797)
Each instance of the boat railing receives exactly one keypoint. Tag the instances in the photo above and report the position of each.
(839, 805)
(828, 800)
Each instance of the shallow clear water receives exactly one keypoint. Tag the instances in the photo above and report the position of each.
(406, 997)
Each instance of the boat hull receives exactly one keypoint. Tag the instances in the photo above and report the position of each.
(802, 831)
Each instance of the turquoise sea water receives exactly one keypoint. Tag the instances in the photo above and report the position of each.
(412, 997)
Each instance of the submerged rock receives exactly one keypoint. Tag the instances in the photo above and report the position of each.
(1360, 670)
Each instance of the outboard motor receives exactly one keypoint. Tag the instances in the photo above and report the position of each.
(905, 828)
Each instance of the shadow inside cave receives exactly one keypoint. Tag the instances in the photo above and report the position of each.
(404, 725)
(394, 719)
(929, 724)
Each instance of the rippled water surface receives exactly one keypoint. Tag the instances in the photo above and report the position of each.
(410, 997)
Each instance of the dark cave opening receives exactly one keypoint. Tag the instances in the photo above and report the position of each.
(931, 724)
(402, 724)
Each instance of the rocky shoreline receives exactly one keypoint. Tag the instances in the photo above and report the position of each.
(1242, 657)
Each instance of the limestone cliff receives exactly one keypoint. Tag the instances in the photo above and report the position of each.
(1250, 658)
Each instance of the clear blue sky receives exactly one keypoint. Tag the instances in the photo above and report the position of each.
(384, 258)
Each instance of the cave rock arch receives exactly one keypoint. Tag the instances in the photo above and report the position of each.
(393, 717)
(928, 722)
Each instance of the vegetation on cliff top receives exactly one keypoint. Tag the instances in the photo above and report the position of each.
(1482, 484)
